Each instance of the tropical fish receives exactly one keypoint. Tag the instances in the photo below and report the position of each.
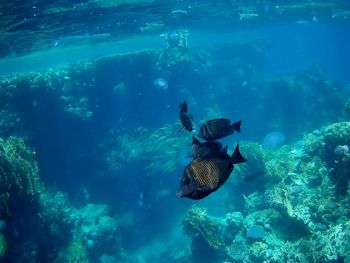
(206, 149)
(185, 117)
(204, 176)
(218, 128)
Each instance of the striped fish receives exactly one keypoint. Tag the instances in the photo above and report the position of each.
(208, 174)
(204, 176)
(218, 128)
(206, 149)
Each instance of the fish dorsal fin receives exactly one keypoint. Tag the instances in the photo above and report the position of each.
(237, 157)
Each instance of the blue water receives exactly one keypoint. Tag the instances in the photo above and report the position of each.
(104, 133)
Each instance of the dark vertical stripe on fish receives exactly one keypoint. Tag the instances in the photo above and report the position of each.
(205, 130)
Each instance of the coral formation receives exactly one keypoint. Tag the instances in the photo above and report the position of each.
(18, 172)
(77, 252)
(301, 194)
(91, 230)
(20, 186)
(331, 144)
(303, 186)
(211, 229)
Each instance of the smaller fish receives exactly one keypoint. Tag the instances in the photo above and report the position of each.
(218, 128)
(206, 149)
(151, 27)
(248, 16)
(204, 176)
(140, 203)
(179, 11)
(186, 118)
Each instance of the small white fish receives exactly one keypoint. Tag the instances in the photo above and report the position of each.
(248, 16)
(341, 15)
(303, 23)
(179, 11)
(151, 27)
(141, 199)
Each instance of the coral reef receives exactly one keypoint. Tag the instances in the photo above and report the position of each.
(20, 187)
(300, 193)
(91, 230)
(303, 186)
(77, 252)
(211, 229)
(46, 215)
(331, 144)
(18, 172)
(256, 166)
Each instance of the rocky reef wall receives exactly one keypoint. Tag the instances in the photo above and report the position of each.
(90, 122)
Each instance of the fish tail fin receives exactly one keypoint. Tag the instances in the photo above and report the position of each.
(237, 157)
(183, 106)
(236, 126)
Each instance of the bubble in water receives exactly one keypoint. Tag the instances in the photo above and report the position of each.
(160, 84)
(273, 140)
